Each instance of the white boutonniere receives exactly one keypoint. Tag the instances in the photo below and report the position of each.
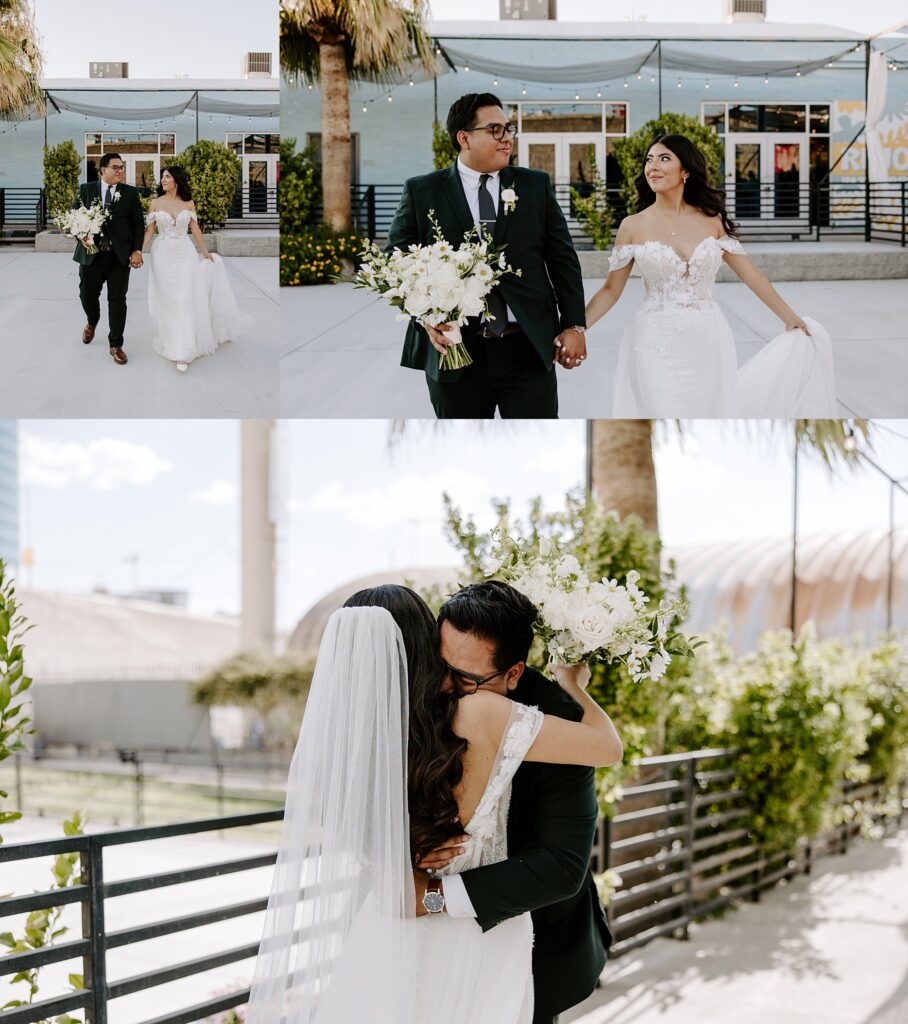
(116, 195)
(509, 198)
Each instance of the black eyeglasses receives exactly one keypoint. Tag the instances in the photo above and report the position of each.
(468, 682)
(498, 131)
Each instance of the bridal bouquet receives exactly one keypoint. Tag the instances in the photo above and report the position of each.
(584, 620)
(82, 222)
(437, 283)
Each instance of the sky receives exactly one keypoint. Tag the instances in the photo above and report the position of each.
(870, 16)
(154, 504)
(163, 39)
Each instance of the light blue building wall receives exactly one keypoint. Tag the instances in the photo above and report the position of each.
(9, 493)
(808, 118)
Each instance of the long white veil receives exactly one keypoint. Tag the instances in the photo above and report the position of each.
(333, 943)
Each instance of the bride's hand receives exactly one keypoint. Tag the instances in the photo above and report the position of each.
(796, 323)
(570, 676)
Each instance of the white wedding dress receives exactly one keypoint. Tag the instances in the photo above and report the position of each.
(190, 299)
(677, 355)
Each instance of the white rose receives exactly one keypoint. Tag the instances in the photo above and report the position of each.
(593, 628)
(567, 566)
(509, 196)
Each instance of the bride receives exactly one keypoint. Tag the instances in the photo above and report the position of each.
(191, 302)
(677, 355)
(392, 755)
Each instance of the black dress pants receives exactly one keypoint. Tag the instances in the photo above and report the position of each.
(506, 373)
(105, 268)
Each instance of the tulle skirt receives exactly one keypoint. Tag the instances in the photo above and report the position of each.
(190, 300)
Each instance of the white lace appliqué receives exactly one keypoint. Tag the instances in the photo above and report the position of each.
(170, 226)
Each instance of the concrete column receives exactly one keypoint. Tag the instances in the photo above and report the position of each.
(258, 536)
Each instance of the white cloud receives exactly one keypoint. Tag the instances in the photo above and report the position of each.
(104, 463)
(218, 492)
(404, 500)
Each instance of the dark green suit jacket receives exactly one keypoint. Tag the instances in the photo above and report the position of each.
(547, 298)
(126, 227)
(551, 826)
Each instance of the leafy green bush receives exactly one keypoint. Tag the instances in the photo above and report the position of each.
(887, 701)
(631, 151)
(593, 211)
(316, 255)
(301, 187)
(214, 176)
(14, 722)
(443, 152)
(61, 176)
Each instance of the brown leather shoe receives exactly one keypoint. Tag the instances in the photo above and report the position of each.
(119, 356)
(88, 332)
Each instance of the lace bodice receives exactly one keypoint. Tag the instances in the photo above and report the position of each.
(488, 827)
(170, 226)
(670, 280)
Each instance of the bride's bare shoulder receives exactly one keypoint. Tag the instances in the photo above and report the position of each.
(482, 716)
(628, 229)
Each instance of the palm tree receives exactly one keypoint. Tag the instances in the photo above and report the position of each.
(623, 477)
(20, 61)
(334, 41)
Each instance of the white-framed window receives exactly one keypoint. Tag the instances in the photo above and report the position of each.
(144, 153)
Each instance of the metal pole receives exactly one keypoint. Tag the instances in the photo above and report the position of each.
(94, 963)
(197, 115)
(891, 569)
(867, 232)
(589, 458)
(435, 96)
(660, 78)
(794, 543)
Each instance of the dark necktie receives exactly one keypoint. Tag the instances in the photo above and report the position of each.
(497, 306)
(108, 203)
(107, 198)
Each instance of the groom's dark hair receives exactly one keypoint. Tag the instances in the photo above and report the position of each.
(462, 114)
(496, 612)
(106, 158)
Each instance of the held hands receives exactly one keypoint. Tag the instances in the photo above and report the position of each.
(795, 322)
(570, 348)
(135, 260)
(437, 337)
(571, 677)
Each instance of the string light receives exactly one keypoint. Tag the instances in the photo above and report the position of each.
(798, 73)
(707, 84)
(495, 81)
(599, 93)
(625, 85)
(736, 83)
(679, 83)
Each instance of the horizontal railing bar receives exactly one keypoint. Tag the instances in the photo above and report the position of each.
(13, 963)
(650, 787)
(181, 924)
(726, 857)
(203, 1010)
(146, 882)
(716, 776)
(43, 848)
(716, 881)
(164, 975)
(649, 812)
(708, 842)
(718, 798)
(659, 836)
(645, 888)
(634, 866)
(47, 1008)
(41, 900)
(623, 946)
(722, 817)
(644, 913)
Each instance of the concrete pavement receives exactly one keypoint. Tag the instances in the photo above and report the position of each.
(46, 371)
(341, 348)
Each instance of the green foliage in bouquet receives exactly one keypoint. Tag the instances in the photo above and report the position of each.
(61, 176)
(214, 176)
(14, 722)
(275, 688)
(443, 152)
(631, 152)
(605, 547)
(317, 255)
(593, 211)
(42, 927)
(301, 187)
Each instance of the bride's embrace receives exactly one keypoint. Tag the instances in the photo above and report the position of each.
(190, 299)
(677, 356)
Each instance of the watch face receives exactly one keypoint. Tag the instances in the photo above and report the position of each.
(434, 902)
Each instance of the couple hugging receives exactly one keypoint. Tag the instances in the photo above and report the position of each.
(677, 356)
(190, 301)
(440, 816)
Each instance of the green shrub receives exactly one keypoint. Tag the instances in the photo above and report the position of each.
(214, 176)
(62, 165)
(887, 701)
(443, 152)
(592, 211)
(301, 188)
(316, 255)
(14, 719)
(631, 152)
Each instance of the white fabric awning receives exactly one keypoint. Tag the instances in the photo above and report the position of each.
(113, 111)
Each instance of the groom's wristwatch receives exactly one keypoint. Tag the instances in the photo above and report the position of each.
(433, 898)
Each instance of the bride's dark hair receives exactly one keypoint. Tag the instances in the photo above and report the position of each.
(697, 190)
(182, 182)
(434, 751)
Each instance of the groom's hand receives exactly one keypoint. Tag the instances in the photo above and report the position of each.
(570, 349)
(136, 261)
(437, 337)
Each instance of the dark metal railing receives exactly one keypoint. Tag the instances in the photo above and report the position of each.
(254, 207)
(679, 840)
(22, 213)
(764, 212)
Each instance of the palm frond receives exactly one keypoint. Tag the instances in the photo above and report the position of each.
(20, 61)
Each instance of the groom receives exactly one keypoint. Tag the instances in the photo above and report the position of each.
(486, 631)
(119, 249)
(539, 317)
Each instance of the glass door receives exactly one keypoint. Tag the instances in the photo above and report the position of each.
(566, 159)
(143, 171)
(260, 183)
(767, 176)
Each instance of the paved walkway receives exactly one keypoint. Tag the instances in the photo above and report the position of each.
(46, 371)
(341, 349)
(829, 949)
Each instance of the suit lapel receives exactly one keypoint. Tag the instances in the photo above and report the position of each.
(503, 220)
(457, 198)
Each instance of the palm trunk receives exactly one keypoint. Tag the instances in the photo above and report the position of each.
(336, 149)
(623, 473)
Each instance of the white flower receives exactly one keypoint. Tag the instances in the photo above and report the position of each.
(509, 198)
(567, 566)
(658, 666)
(491, 566)
(545, 547)
(593, 627)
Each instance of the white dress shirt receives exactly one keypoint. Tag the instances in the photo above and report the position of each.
(105, 188)
(457, 900)
(470, 181)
